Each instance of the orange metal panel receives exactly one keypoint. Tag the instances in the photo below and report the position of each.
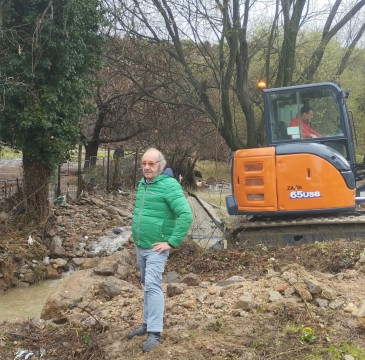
(306, 181)
(254, 180)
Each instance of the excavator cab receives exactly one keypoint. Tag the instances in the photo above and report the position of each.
(308, 165)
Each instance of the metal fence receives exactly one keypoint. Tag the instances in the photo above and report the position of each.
(97, 173)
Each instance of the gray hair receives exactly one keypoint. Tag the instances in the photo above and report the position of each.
(161, 158)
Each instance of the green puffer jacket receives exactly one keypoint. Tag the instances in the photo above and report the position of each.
(161, 213)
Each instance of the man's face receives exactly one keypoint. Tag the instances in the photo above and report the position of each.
(309, 116)
(150, 164)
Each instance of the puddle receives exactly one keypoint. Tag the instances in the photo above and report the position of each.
(25, 303)
(28, 302)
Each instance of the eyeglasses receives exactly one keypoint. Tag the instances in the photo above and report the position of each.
(149, 163)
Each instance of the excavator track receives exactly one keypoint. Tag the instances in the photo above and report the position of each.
(277, 232)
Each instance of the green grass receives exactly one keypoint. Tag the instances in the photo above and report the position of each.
(216, 170)
(8, 153)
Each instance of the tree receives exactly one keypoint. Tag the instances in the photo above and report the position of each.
(49, 48)
(223, 55)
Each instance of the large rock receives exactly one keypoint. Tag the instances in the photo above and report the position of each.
(75, 287)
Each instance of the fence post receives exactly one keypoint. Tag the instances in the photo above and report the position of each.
(135, 170)
(79, 178)
(58, 181)
(108, 169)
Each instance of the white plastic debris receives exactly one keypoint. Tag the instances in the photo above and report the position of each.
(30, 240)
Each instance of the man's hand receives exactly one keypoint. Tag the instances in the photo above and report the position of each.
(161, 247)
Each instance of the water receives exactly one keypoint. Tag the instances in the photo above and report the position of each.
(25, 303)
(112, 241)
(28, 302)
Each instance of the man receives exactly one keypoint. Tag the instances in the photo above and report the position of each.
(304, 122)
(162, 217)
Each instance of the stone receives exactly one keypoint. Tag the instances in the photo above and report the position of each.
(78, 261)
(351, 308)
(274, 295)
(361, 311)
(171, 277)
(89, 263)
(348, 357)
(328, 294)
(60, 262)
(245, 302)
(174, 289)
(52, 273)
(290, 277)
(312, 287)
(281, 288)
(106, 268)
(302, 291)
(336, 304)
(232, 280)
(323, 303)
(73, 288)
(191, 280)
(57, 251)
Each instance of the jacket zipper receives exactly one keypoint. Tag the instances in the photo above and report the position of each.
(141, 210)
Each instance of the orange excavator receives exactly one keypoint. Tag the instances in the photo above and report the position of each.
(306, 175)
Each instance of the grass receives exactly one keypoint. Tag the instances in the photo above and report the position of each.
(216, 170)
(8, 153)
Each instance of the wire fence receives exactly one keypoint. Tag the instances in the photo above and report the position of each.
(78, 174)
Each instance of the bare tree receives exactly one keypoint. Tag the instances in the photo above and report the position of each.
(209, 42)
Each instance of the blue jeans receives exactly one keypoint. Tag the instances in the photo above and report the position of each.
(151, 266)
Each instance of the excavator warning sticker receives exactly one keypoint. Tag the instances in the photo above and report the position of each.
(304, 194)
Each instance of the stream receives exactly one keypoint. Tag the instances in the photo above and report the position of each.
(26, 303)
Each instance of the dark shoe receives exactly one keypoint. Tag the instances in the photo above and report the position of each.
(153, 340)
(138, 332)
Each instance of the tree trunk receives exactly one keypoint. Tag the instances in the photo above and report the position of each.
(36, 186)
(91, 151)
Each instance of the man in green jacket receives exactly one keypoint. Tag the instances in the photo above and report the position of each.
(162, 218)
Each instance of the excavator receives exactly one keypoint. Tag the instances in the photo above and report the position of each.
(304, 184)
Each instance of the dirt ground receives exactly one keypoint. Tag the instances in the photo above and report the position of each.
(300, 332)
(214, 329)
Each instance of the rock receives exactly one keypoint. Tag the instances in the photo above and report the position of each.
(113, 287)
(78, 261)
(174, 289)
(302, 291)
(328, 294)
(290, 277)
(191, 280)
(60, 262)
(73, 288)
(97, 202)
(351, 308)
(231, 280)
(336, 304)
(123, 272)
(289, 291)
(52, 273)
(171, 277)
(89, 263)
(245, 302)
(29, 277)
(348, 357)
(361, 311)
(274, 295)
(312, 287)
(323, 303)
(106, 268)
(287, 305)
(57, 251)
(189, 304)
(281, 288)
